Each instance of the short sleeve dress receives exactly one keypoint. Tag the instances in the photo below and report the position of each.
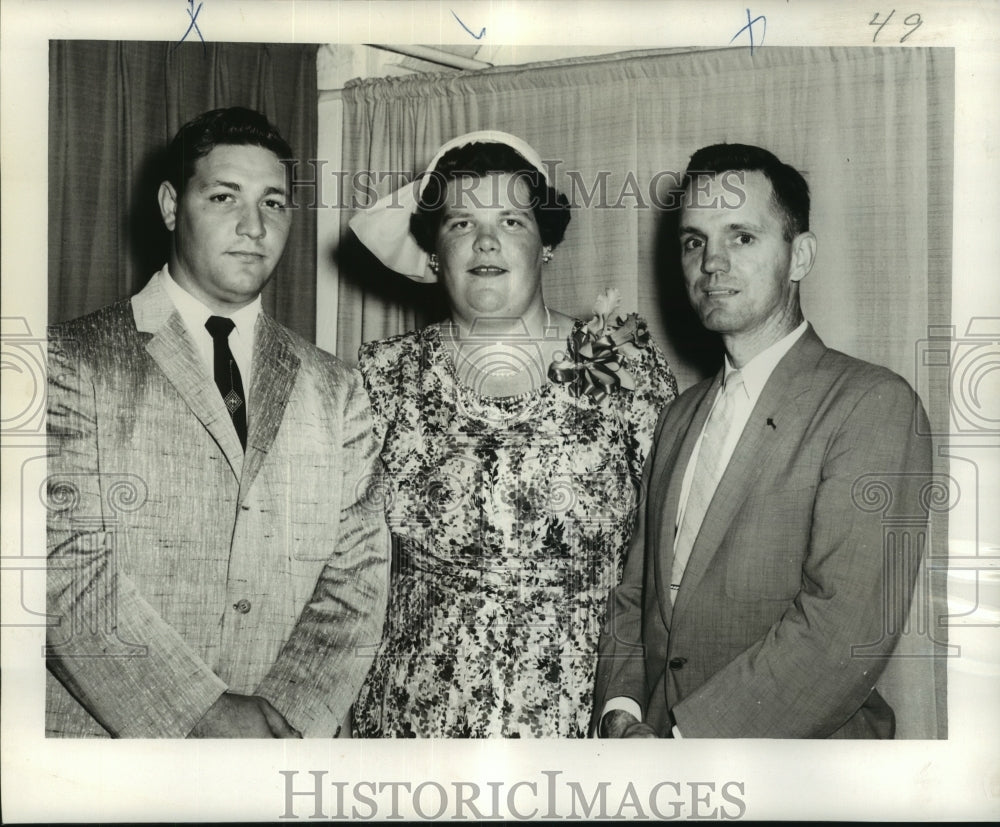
(511, 519)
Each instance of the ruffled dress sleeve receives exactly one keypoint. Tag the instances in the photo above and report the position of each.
(383, 365)
(655, 387)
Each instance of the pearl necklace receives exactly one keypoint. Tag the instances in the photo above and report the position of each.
(500, 342)
(498, 358)
(497, 368)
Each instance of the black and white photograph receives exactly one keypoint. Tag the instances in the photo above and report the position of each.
(455, 391)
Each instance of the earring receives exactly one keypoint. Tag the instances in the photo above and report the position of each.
(433, 263)
(546, 254)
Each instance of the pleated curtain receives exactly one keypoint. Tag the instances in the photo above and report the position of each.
(113, 108)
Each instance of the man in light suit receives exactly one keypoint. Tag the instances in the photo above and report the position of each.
(217, 562)
(753, 603)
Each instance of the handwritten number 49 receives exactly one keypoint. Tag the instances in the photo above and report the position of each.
(914, 21)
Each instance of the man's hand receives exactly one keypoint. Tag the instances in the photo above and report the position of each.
(621, 724)
(242, 716)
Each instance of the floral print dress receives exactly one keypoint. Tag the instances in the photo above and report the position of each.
(511, 519)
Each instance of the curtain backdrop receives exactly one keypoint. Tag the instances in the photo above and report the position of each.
(870, 128)
(113, 108)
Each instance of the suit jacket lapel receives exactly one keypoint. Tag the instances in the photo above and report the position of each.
(275, 366)
(668, 477)
(171, 348)
(790, 379)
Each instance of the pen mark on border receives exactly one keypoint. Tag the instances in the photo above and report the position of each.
(193, 14)
(479, 36)
(748, 28)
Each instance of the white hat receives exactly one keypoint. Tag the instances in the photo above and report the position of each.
(384, 228)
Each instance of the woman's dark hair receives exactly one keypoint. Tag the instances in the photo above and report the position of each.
(233, 126)
(475, 160)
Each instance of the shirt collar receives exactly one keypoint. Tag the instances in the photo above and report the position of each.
(758, 370)
(195, 313)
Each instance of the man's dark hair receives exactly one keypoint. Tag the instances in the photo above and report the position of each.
(233, 126)
(550, 208)
(791, 192)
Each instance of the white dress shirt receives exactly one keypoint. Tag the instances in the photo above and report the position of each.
(755, 373)
(194, 314)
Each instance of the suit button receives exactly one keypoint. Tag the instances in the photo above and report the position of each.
(242, 606)
(677, 663)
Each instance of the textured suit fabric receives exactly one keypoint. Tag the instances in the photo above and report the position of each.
(788, 577)
(180, 568)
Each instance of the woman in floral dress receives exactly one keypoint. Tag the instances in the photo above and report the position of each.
(513, 438)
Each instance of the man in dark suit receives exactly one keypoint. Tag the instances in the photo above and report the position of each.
(217, 559)
(757, 575)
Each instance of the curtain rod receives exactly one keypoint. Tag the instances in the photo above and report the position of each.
(433, 55)
(454, 61)
(428, 53)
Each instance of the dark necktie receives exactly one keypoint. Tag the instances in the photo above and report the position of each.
(227, 374)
